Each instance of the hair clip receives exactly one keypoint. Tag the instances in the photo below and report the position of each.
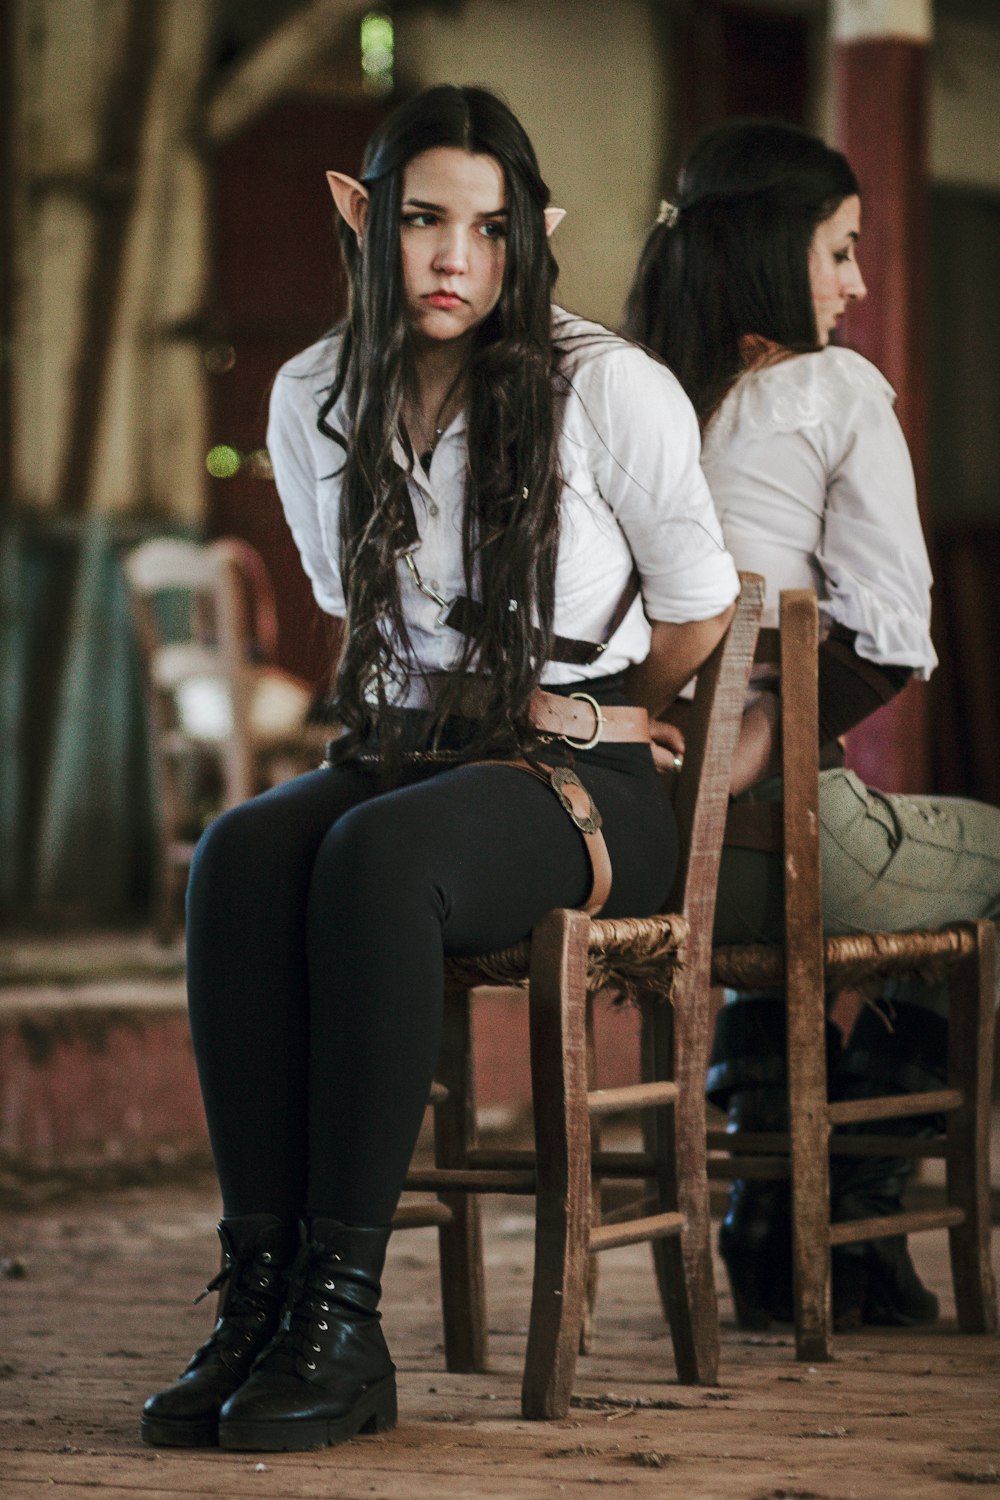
(668, 213)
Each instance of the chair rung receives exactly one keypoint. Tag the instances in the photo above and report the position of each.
(461, 1180)
(631, 1096)
(624, 1164)
(755, 1143)
(771, 1168)
(748, 1142)
(421, 1215)
(851, 1231)
(656, 1227)
(933, 1102)
(887, 1145)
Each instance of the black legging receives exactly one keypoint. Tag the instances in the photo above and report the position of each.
(319, 915)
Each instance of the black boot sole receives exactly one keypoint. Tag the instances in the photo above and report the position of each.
(374, 1411)
(193, 1432)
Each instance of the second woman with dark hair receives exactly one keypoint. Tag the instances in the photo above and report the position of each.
(504, 507)
(739, 288)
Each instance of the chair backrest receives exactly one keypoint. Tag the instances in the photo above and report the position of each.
(711, 730)
(204, 615)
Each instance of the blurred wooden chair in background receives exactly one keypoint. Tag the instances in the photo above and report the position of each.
(811, 966)
(226, 722)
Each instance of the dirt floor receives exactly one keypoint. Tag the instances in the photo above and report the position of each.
(96, 1312)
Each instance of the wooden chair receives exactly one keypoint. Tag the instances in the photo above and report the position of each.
(661, 963)
(226, 723)
(810, 966)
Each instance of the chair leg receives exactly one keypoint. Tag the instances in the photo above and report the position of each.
(810, 1153)
(588, 1326)
(676, 1138)
(463, 1289)
(562, 1144)
(970, 1057)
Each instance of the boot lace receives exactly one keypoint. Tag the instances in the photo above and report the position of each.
(250, 1303)
(312, 1294)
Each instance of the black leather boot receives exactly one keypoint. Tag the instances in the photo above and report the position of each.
(755, 1237)
(326, 1375)
(257, 1250)
(875, 1281)
(747, 1076)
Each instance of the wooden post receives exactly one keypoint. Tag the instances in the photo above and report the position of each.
(880, 74)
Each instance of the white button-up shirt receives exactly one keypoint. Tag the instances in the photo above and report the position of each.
(632, 493)
(812, 479)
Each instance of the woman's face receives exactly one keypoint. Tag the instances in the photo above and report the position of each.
(834, 275)
(453, 239)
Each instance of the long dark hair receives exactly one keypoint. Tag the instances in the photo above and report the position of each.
(730, 256)
(511, 523)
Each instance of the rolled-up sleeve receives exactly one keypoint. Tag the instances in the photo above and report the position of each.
(647, 464)
(292, 442)
(872, 551)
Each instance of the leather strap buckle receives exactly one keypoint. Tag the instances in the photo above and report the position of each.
(599, 723)
(588, 821)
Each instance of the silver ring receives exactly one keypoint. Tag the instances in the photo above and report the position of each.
(678, 762)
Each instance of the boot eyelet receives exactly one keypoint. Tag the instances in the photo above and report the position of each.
(325, 1306)
(261, 1318)
(316, 1348)
(322, 1327)
(266, 1257)
(331, 1286)
(310, 1365)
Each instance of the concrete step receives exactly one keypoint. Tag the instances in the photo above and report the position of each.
(97, 1076)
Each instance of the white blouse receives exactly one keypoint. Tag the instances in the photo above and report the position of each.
(633, 489)
(813, 483)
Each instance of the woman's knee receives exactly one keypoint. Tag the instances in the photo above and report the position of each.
(374, 850)
(232, 842)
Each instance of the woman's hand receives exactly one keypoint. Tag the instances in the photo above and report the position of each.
(667, 745)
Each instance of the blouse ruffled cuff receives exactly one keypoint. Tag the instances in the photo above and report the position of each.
(897, 638)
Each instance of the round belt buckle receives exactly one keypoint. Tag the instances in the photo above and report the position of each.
(599, 723)
(562, 777)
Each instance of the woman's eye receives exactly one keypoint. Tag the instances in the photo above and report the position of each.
(841, 256)
(420, 220)
(494, 230)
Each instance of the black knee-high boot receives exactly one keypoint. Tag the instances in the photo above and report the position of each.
(257, 1251)
(748, 1078)
(326, 1375)
(875, 1281)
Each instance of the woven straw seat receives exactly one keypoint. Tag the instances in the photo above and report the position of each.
(568, 960)
(811, 966)
(851, 961)
(627, 957)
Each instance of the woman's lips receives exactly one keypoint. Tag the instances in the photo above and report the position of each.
(444, 299)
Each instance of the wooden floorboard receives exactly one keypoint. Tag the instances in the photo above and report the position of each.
(102, 1316)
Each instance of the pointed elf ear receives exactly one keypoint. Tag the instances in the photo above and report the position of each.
(553, 218)
(351, 200)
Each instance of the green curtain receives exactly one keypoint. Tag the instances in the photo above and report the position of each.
(77, 815)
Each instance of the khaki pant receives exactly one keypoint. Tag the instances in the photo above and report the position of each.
(888, 863)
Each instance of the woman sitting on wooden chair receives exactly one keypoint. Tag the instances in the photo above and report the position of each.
(741, 283)
(498, 499)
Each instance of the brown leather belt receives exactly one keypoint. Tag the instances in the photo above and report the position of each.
(582, 722)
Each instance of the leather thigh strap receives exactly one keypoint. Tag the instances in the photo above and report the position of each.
(579, 804)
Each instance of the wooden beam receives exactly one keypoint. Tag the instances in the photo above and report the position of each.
(280, 60)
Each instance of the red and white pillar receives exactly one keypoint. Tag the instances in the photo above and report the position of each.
(881, 96)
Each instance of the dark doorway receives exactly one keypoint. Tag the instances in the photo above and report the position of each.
(277, 285)
(732, 60)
